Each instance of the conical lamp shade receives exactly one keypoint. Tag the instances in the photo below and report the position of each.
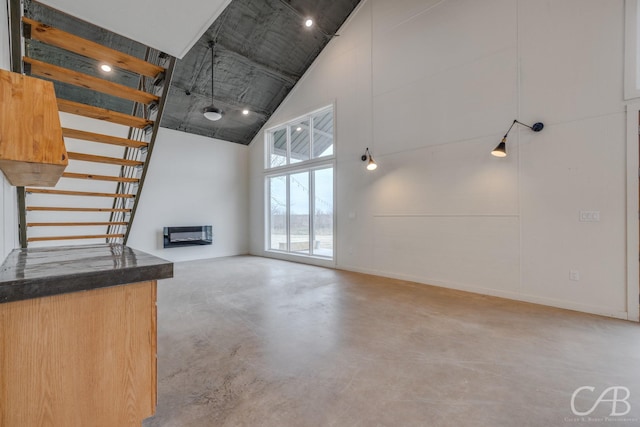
(372, 165)
(501, 149)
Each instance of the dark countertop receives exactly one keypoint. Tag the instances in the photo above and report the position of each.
(41, 272)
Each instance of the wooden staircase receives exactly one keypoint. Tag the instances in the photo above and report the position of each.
(96, 197)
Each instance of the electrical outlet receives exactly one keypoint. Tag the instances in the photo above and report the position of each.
(589, 216)
(574, 275)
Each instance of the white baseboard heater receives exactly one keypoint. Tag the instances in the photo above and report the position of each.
(188, 236)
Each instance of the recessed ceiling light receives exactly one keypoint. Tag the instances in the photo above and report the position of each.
(106, 68)
(245, 112)
(298, 129)
(308, 22)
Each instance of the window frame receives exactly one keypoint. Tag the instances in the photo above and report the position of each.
(632, 50)
(270, 131)
(310, 166)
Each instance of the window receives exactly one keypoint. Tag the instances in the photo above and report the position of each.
(300, 186)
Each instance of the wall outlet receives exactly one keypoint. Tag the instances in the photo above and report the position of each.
(574, 275)
(589, 216)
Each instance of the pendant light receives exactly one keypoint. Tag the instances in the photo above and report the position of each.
(212, 112)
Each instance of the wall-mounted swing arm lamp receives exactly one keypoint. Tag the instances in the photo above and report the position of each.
(501, 149)
(366, 157)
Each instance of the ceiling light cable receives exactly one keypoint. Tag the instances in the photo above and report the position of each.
(212, 112)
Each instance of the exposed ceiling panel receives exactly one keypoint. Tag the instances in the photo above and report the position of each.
(167, 25)
(261, 50)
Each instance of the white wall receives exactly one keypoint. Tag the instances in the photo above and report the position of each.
(194, 180)
(8, 202)
(448, 79)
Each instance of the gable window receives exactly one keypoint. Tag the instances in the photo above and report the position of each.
(299, 181)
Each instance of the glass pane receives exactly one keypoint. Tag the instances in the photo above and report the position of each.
(299, 212)
(323, 215)
(300, 141)
(278, 148)
(323, 134)
(278, 213)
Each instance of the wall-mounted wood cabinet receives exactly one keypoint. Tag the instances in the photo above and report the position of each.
(32, 151)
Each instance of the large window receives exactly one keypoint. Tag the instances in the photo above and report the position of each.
(300, 185)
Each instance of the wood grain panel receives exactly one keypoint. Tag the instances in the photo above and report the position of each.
(72, 224)
(65, 75)
(81, 237)
(103, 159)
(65, 209)
(72, 43)
(80, 359)
(105, 139)
(32, 150)
(98, 113)
(98, 177)
(78, 193)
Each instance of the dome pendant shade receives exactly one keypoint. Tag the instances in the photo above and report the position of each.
(212, 113)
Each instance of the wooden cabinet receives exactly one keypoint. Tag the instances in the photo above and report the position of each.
(79, 359)
(32, 150)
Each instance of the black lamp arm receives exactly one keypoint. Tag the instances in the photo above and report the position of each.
(537, 127)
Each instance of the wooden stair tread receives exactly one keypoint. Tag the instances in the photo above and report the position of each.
(98, 113)
(94, 236)
(105, 139)
(103, 159)
(72, 224)
(66, 209)
(73, 43)
(98, 177)
(65, 75)
(77, 193)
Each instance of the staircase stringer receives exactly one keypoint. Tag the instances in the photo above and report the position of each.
(126, 187)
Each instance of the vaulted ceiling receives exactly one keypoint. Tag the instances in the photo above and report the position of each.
(261, 49)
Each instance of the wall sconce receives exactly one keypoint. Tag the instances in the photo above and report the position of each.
(371, 165)
(501, 149)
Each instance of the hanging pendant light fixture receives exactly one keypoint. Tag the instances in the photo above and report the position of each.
(501, 149)
(212, 112)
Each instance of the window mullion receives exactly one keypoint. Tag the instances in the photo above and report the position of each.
(312, 211)
(288, 145)
(288, 215)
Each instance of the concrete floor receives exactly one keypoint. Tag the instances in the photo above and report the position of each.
(248, 341)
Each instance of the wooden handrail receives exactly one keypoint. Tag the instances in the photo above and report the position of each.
(77, 193)
(65, 75)
(73, 43)
(98, 177)
(65, 209)
(90, 111)
(103, 159)
(95, 236)
(105, 139)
